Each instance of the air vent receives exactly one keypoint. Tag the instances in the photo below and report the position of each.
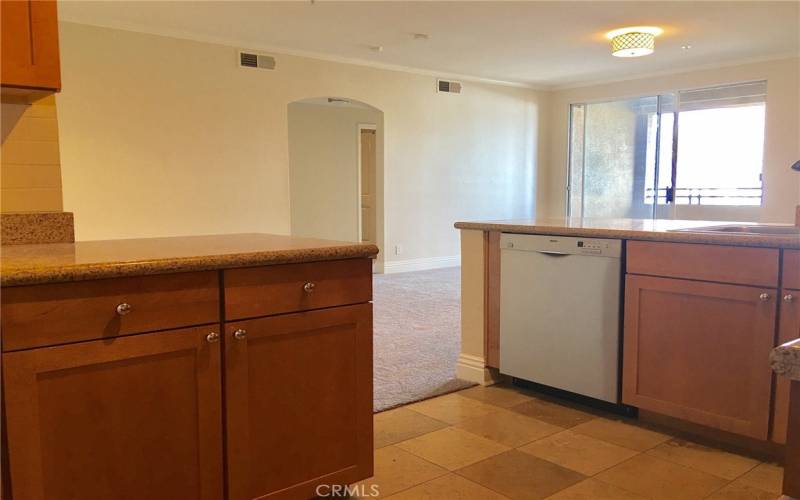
(252, 60)
(448, 86)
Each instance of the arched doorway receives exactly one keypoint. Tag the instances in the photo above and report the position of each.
(336, 170)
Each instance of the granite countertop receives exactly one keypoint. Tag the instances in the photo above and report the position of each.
(634, 229)
(85, 260)
(785, 360)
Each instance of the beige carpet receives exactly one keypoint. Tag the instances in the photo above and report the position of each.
(417, 335)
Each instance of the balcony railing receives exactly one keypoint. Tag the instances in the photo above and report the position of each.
(708, 195)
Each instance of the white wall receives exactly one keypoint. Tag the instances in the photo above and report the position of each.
(324, 170)
(782, 134)
(161, 136)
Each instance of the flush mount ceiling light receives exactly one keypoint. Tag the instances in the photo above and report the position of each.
(635, 41)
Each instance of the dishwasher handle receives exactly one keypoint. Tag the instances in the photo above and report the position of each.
(551, 253)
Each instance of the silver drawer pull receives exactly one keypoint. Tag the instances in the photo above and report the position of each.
(788, 297)
(309, 287)
(212, 337)
(240, 334)
(124, 309)
(764, 297)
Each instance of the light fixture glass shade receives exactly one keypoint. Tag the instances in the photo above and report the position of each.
(633, 44)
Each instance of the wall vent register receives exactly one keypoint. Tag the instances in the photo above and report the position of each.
(448, 86)
(253, 60)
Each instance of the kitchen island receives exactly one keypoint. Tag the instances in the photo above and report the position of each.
(688, 292)
(234, 366)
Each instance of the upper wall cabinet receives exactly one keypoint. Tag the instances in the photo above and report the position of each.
(29, 51)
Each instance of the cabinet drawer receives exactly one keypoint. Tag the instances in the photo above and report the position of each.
(263, 291)
(44, 315)
(725, 264)
(791, 269)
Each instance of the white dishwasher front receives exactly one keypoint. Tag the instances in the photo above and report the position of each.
(560, 312)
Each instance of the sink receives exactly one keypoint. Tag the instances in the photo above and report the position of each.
(774, 230)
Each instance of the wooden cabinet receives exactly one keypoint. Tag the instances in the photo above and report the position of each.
(96, 409)
(699, 328)
(130, 418)
(698, 351)
(29, 56)
(298, 402)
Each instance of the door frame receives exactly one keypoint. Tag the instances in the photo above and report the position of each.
(359, 128)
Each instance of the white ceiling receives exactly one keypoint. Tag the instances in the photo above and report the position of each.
(542, 44)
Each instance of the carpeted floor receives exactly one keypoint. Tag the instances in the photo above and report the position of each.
(417, 335)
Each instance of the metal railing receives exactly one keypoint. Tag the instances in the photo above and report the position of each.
(696, 195)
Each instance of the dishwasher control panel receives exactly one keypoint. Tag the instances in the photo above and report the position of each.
(592, 247)
(561, 245)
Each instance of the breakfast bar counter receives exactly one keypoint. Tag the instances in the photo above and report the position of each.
(677, 231)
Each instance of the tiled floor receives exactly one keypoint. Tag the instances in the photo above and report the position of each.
(501, 443)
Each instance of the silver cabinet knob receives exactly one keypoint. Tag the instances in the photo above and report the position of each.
(309, 287)
(212, 337)
(764, 297)
(240, 334)
(124, 309)
(788, 297)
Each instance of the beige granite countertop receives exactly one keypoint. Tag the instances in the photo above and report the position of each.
(60, 262)
(785, 360)
(634, 229)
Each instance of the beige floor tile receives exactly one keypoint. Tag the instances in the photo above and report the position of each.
(400, 424)
(592, 489)
(509, 428)
(658, 479)
(621, 434)
(397, 470)
(498, 395)
(452, 448)
(552, 413)
(580, 453)
(449, 487)
(519, 475)
(720, 463)
(452, 408)
(768, 477)
(737, 491)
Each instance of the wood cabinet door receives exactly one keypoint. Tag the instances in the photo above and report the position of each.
(29, 49)
(788, 330)
(298, 402)
(700, 352)
(130, 418)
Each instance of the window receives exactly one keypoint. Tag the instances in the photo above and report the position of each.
(632, 158)
(721, 145)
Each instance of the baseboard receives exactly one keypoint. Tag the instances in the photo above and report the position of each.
(473, 369)
(404, 266)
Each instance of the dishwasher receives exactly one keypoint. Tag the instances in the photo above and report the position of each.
(560, 312)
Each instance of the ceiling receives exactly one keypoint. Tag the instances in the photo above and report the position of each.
(542, 44)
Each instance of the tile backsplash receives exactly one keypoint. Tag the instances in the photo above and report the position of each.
(30, 165)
